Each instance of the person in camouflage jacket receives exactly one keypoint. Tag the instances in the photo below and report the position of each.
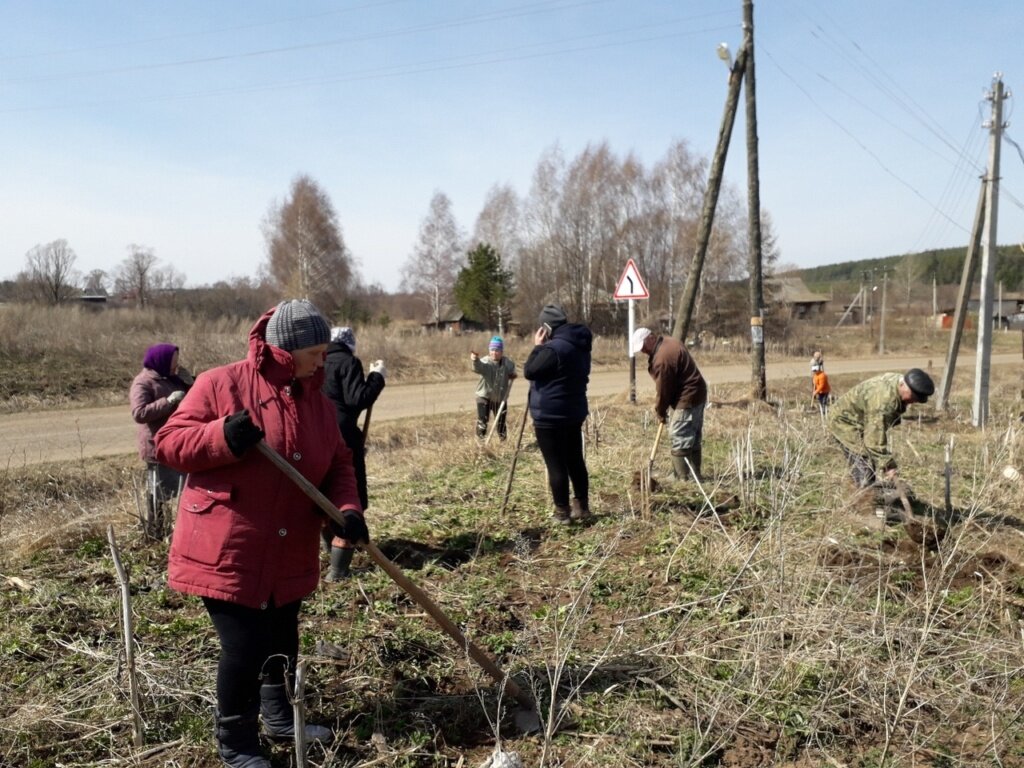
(861, 419)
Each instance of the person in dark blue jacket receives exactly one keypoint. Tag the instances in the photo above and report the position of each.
(558, 370)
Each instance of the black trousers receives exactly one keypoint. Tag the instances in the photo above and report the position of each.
(562, 449)
(484, 408)
(255, 645)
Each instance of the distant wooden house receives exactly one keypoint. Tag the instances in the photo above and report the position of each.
(454, 321)
(1011, 305)
(791, 293)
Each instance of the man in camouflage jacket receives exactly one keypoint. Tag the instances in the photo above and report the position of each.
(861, 419)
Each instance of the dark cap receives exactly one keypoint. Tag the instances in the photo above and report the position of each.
(920, 383)
(553, 316)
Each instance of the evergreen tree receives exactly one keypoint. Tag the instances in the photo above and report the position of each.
(483, 288)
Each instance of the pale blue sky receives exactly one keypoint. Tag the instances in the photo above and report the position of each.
(175, 125)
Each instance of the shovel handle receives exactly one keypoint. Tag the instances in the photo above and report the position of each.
(657, 439)
(901, 489)
(489, 665)
(366, 422)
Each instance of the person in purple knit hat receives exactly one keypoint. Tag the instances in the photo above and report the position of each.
(154, 395)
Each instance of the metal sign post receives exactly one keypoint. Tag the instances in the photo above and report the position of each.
(629, 288)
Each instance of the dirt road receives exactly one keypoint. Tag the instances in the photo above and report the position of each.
(42, 436)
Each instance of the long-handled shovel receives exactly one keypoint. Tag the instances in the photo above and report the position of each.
(489, 665)
(366, 422)
(654, 450)
(515, 456)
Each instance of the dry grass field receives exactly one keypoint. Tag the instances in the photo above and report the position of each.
(762, 620)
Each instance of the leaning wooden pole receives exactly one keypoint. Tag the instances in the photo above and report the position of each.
(758, 385)
(489, 665)
(962, 299)
(707, 217)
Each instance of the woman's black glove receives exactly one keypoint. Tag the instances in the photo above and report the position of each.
(354, 528)
(240, 433)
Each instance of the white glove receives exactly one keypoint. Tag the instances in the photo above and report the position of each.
(378, 367)
(175, 397)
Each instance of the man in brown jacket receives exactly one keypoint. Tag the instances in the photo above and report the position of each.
(679, 385)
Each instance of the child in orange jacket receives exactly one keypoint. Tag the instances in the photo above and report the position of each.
(822, 390)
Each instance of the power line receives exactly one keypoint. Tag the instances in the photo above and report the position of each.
(203, 33)
(464, 61)
(479, 18)
(874, 156)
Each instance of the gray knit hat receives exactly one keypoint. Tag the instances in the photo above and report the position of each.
(553, 315)
(297, 324)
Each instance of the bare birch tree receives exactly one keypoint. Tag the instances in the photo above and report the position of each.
(431, 269)
(306, 253)
(134, 275)
(50, 273)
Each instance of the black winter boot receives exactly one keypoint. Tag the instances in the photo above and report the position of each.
(580, 510)
(563, 515)
(279, 718)
(238, 741)
(341, 559)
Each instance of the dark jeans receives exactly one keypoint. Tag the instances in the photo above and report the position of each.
(862, 470)
(484, 408)
(562, 449)
(255, 645)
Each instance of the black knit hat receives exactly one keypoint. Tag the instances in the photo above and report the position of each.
(553, 316)
(297, 324)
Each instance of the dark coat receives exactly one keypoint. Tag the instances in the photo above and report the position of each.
(245, 532)
(558, 371)
(350, 391)
(150, 406)
(677, 380)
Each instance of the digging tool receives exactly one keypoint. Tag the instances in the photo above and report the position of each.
(654, 450)
(366, 422)
(486, 663)
(515, 456)
(922, 530)
(501, 409)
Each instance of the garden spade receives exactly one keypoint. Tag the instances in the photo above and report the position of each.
(654, 450)
(527, 720)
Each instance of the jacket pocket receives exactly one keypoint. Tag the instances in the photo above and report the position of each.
(207, 518)
(199, 499)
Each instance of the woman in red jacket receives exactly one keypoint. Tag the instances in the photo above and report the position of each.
(247, 538)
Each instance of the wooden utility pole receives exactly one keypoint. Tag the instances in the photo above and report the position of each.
(757, 377)
(707, 215)
(963, 296)
(979, 413)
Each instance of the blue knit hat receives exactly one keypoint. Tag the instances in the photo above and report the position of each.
(496, 344)
(297, 324)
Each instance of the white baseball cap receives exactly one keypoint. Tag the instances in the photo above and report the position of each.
(636, 342)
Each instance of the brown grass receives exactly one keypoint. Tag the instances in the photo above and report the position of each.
(787, 629)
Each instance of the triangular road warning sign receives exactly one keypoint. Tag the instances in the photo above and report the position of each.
(631, 285)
